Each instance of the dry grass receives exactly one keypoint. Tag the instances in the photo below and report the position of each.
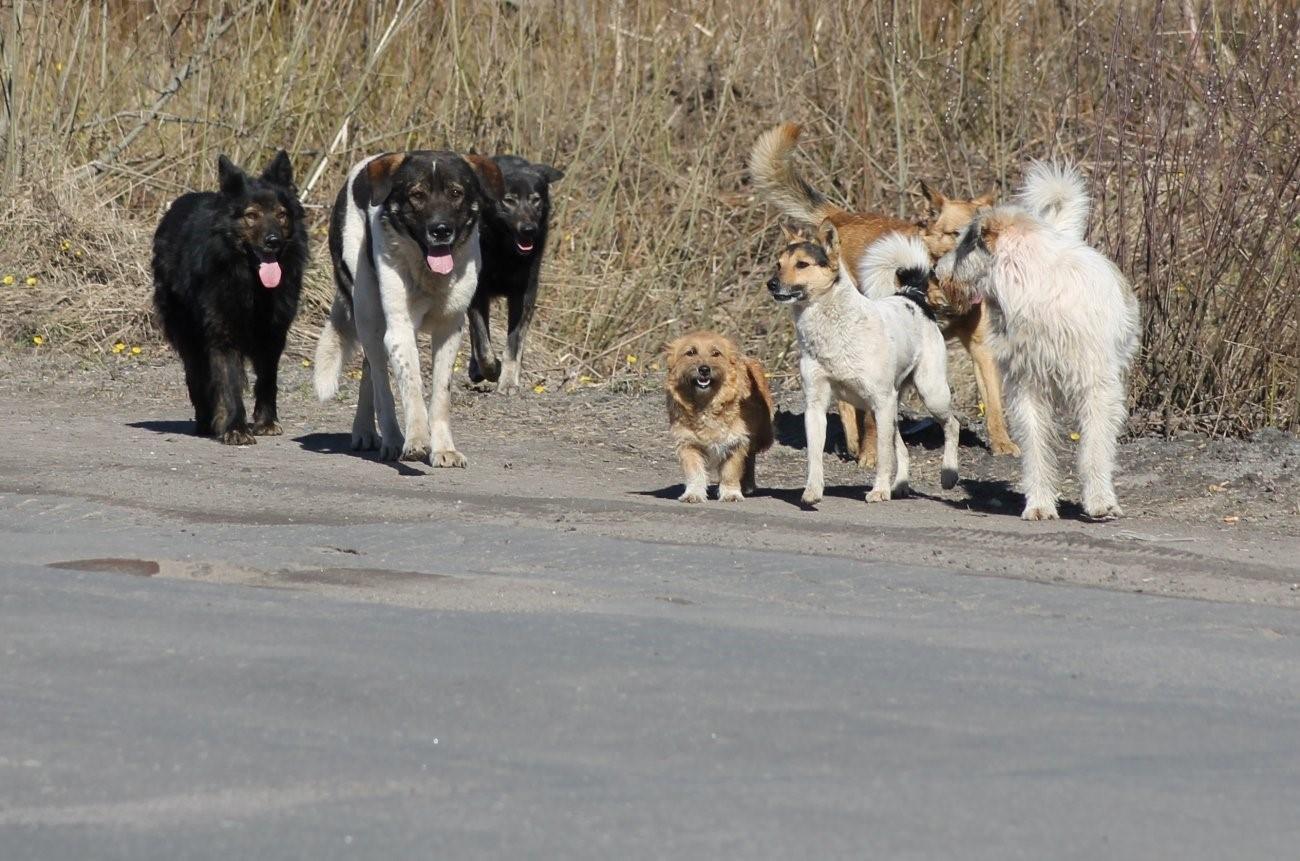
(1181, 113)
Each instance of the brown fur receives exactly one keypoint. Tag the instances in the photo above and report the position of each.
(772, 170)
(734, 414)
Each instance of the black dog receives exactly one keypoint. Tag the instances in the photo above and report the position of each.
(512, 239)
(227, 270)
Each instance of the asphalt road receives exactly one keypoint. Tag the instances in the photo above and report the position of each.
(454, 689)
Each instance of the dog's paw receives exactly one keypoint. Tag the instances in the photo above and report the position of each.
(238, 436)
(415, 452)
(508, 389)
(1004, 446)
(730, 494)
(867, 459)
(365, 441)
(691, 496)
(449, 458)
(900, 490)
(878, 495)
(390, 451)
(948, 478)
(1103, 510)
(267, 429)
(811, 496)
(1039, 512)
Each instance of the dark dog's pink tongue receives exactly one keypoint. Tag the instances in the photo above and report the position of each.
(440, 262)
(524, 247)
(269, 273)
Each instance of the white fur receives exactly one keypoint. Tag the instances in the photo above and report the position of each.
(395, 295)
(1057, 194)
(1065, 328)
(864, 350)
(883, 258)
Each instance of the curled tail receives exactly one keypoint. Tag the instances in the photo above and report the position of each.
(775, 177)
(1057, 194)
(896, 264)
(334, 348)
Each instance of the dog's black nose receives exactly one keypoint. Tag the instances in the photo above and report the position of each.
(272, 242)
(528, 231)
(704, 371)
(441, 232)
(774, 284)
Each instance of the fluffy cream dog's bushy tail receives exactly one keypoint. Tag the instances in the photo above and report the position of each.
(334, 348)
(1057, 194)
(891, 260)
(772, 169)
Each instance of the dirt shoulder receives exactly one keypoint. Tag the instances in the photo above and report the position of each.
(1214, 520)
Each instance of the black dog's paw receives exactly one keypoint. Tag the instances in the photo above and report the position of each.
(264, 428)
(239, 435)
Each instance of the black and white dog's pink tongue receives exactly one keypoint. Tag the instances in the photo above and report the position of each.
(269, 273)
(439, 263)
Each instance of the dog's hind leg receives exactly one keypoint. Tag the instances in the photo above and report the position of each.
(988, 379)
(380, 398)
(483, 364)
(266, 364)
(199, 383)
(520, 308)
(1101, 418)
(748, 482)
(902, 468)
(446, 343)
(364, 435)
(229, 422)
(1032, 415)
(931, 383)
(886, 413)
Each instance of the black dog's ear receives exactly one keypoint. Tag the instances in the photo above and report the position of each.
(380, 173)
(231, 178)
(551, 174)
(279, 170)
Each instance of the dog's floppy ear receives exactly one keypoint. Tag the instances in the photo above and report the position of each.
(279, 171)
(551, 174)
(986, 199)
(489, 175)
(231, 178)
(932, 197)
(990, 229)
(380, 173)
(829, 238)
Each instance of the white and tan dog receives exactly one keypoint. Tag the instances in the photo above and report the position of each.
(1066, 329)
(862, 350)
(404, 242)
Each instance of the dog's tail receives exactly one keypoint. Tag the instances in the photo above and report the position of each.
(1057, 194)
(896, 264)
(772, 168)
(335, 347)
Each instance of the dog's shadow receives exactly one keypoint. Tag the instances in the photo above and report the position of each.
(166, 426)
(341, 443)
(792, 496)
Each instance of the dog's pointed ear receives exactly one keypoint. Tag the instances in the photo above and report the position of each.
(279, 170)
(230, 177)
(380, 172)
(551, 174)
(794, 231)
(829, 238)
(489, 175)
(986, 199)
(933, 199)
(990, 229)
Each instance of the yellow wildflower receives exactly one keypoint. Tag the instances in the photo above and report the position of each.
(1074, 436)
(982, 408)
(119, 347)
(584, 379)
(631, 359)
(7, 280)
(306, 363)
(37, 340)
(135, 351)
(539, 388)
(65, 245)
(31, 280)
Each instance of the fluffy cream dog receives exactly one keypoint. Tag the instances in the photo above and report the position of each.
(1066, 327)
(862, 350)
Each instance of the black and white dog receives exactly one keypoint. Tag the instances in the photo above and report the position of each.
(513, 238)
(404, 239)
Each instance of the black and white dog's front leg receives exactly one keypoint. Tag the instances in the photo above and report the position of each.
(446, 343)
(483, 364)
(520, 309)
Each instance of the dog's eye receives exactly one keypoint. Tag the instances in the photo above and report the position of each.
(802, 264)
(251, 215)
(692, 351)
(534, 198)
(716, 354)
(954, 233)
(455, 193)
(417, 197)
(510, 200)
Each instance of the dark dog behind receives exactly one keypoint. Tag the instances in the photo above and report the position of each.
(227, 269)
(513, 240)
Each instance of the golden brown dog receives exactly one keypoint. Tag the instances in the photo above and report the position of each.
(720, 413)
(774, 174)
